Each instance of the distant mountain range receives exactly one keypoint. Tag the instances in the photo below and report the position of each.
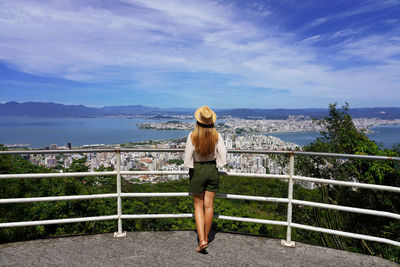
(48, 109)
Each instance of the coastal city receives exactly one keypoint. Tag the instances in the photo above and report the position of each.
(163, 161)
(240, 134)
(239, 126)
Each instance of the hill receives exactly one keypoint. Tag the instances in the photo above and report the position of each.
(48, 109)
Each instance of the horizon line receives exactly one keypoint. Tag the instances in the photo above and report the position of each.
(194, 108)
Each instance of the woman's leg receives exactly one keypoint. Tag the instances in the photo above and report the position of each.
(208, 212)
(198, 200)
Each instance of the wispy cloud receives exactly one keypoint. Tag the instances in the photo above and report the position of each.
(178, 48)
(363, 7)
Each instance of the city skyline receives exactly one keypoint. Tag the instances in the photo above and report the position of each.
(226, 54)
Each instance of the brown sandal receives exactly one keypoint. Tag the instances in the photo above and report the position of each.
(202, 246)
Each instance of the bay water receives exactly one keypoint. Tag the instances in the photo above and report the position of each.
(40, 132)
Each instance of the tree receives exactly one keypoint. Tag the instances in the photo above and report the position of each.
(341, 136)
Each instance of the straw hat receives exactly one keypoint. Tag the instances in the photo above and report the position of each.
(205, 115)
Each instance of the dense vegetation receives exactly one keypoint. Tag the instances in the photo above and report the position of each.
(340, 137)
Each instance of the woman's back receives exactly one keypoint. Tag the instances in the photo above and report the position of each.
(205, 151)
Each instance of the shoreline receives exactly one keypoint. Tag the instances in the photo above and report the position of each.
(129, 144)
(44, 133)
(157, 141)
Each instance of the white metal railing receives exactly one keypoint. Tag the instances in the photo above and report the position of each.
(289, 200)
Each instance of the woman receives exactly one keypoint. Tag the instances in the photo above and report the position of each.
(205, 152)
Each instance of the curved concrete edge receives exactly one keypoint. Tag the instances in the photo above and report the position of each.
(175, 248)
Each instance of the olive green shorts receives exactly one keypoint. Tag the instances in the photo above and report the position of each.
(203, 177)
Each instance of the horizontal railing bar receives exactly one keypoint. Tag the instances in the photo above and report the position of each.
(71, 220)
(154, 173)
(348, 156)
(138, 216)
(56, 198)
(55, 175)
(178, 194)
(348, 184)
(108, 173)
(254, 198)
(349, 209)
(250, 220)
(167, 194)
(150, 150)
(172, 150)
(189, 215)
(89, 150)
(186, 194)
(346, 234)
(314, 154)
(156, 216)
(58, 151)
(228, 196)
(255, 175)
(260, 151)
(230, 174)
(83, 174)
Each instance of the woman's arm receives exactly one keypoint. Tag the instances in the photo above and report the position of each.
(189, 150)
(221, 152)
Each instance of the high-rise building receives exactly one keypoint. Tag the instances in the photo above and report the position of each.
(53, 146)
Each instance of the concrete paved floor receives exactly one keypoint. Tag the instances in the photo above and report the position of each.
(175, 248)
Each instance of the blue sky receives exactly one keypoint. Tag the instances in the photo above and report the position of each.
(225, 54)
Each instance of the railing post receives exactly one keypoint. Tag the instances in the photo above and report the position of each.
(288, 242)
(119, 206)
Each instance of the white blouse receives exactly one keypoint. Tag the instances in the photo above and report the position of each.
(191, 155)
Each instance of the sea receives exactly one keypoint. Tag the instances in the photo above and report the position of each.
(41, 132)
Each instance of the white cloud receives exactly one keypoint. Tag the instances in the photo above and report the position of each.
(141, 42)
(382, 48)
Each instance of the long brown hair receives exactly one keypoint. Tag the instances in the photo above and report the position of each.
(204, 140)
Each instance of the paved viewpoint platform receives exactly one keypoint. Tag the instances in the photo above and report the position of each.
(175, 248)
